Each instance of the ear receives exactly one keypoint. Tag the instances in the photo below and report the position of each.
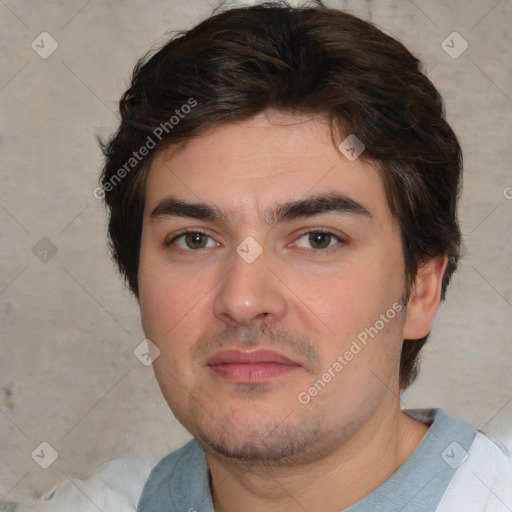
(424, 298)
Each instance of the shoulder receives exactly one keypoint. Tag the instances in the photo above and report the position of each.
(483, 482)
(188, 453)
(487, 446)
(174, 477)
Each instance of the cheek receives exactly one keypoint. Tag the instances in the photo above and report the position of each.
(172, 307)
(170, 301)
(359, 304)
(351, 301)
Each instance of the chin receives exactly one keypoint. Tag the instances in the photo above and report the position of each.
(261, 439)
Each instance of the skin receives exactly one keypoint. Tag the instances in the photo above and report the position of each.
(265, 448)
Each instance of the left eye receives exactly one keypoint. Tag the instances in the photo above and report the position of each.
(319, 239)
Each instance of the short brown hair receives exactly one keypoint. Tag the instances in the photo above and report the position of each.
(242, 61)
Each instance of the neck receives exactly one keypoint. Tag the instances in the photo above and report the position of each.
(335, 482)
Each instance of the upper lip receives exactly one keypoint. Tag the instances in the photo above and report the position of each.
(244, 356)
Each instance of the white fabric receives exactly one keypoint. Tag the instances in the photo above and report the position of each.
(483, 483)
(115, 487)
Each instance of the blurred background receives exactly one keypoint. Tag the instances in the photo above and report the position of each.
(69, 328)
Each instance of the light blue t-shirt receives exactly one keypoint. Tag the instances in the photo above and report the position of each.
(180, 481)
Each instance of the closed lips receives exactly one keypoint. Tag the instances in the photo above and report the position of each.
(254, 357)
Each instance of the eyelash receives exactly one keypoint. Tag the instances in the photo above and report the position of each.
(307, 232)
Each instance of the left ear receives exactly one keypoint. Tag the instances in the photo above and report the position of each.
(424, 298)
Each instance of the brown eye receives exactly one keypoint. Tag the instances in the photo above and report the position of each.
(195, 240)
(191, 240)
(319, 240)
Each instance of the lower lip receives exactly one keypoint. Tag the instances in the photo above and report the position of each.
(252, 372)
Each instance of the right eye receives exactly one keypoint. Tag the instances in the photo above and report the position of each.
(191, 240)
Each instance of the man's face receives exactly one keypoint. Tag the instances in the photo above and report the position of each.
(215, 312)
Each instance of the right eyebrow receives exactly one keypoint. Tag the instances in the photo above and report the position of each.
(173, 207)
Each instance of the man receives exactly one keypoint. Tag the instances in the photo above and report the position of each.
(283, 193)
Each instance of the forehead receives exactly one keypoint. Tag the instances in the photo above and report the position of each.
(247, 166)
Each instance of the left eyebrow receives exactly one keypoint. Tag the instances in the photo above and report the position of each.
(308, 207)
(315, 205)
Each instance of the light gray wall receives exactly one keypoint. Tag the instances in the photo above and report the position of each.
(68, 375)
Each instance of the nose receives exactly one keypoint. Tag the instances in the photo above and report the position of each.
(251, 292)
